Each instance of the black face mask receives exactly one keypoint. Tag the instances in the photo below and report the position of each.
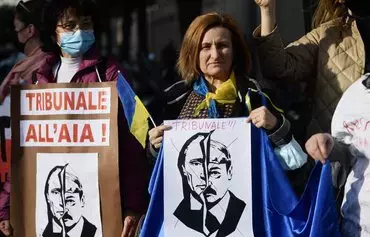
(359, 8)
(18, 45)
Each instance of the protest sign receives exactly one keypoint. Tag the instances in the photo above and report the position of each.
(64, 155)
(207, 178)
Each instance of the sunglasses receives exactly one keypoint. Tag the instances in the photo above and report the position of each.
(22, 5)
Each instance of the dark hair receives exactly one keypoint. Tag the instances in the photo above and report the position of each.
(68, 175)
(184, 149)
(54, 10)
(30, 12)
(46, 190)
(213, 144)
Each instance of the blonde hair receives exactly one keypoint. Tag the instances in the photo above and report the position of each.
(328, 10)
(188, 62)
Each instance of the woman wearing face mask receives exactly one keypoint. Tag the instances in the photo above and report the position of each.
(329, 58)
(30, 40)
(37, 47)
(70, 24)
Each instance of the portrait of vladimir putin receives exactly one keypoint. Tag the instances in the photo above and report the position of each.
(65, 203)
(206, 169)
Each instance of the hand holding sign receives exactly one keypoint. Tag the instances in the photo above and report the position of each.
(319, 146)
(156, 135)
(6, 228)
(262, 118)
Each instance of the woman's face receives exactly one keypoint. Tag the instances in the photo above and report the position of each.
(71, 23)
(74, 34)
(21, 29)
(216, 54)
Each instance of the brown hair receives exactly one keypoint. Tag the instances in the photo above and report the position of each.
(328, 10)
(188, 62)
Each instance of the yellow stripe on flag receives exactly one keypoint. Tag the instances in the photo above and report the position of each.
(140, 126)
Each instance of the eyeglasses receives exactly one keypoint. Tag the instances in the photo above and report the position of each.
(23, 6)
(72, 25)
(19, 31)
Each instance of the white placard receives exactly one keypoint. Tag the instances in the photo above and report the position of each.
(62, 133)
(351, 120)
(207, 178)
(65, 101)
(67, 195)
(351, 125)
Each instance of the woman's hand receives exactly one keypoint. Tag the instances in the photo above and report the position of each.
(262, 118)
(156, 135)
(264, 3)
(130, 224)
(6, 228)
(319, 146)
(268, 16)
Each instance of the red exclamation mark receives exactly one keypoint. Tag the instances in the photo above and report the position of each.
(104, 130)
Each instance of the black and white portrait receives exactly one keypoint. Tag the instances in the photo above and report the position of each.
(213, 171)
(68, 196)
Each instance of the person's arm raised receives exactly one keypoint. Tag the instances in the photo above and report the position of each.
(268, 16)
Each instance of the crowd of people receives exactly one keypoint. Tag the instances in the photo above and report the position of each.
(58, 40)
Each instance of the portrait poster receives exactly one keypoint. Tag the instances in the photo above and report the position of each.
(64, 153)
(78, 172)
(352, 126)
(207, 178)
(5, 140)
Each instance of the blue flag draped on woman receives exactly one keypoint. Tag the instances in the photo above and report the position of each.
(277, 211)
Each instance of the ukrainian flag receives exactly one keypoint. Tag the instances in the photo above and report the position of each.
(137, 115)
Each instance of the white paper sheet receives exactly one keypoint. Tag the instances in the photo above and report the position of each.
(67, 196)
(207, 192)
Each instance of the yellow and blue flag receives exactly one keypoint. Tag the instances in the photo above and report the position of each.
(277, 210)
(136, 114)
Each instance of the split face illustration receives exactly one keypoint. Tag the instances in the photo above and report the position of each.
(207, 168)
(65, 197)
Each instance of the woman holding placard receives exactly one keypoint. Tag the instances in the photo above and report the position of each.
(214, 62)
(70, 25)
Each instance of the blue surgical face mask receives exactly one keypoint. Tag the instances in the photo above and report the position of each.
(77, 43)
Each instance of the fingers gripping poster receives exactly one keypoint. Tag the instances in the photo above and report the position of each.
(64, 148)
(207, 178)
